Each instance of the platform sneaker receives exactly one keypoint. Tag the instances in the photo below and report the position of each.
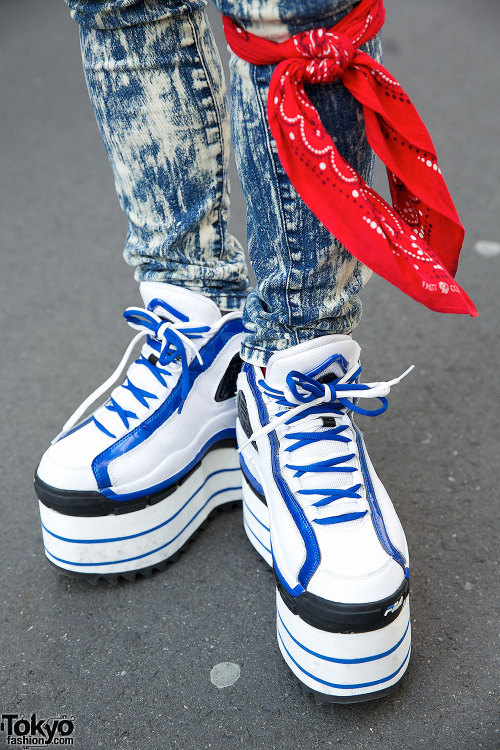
(316, 511)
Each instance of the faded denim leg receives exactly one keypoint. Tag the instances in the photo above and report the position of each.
(156, 85)
(308, 284)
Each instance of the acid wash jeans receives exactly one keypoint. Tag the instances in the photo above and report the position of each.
(156, 84)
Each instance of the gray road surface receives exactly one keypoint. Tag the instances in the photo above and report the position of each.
(132, 663)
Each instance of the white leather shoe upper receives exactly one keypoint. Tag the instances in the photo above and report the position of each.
(136, 439)
(334, 530)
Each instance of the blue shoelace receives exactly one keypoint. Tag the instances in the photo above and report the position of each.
(313, 398)
(170, 342)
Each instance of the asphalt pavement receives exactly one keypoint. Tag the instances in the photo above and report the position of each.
(132, 663)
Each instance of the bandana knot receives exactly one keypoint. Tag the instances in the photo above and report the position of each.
(331, 54)
(415, 243)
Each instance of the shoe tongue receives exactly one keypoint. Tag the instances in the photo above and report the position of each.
(330, 355)
(178, 304)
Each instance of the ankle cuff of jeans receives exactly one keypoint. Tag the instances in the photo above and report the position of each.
(255, 355)
(226, 302)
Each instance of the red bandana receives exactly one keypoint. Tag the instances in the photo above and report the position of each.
(414, 245)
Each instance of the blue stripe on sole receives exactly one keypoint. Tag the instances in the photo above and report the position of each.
(361, 660)
(144, 554)
(140, 533)
(355, 686)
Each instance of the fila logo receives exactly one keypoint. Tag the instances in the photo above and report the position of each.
(394, 607)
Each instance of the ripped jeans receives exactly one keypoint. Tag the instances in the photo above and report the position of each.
(156, 84)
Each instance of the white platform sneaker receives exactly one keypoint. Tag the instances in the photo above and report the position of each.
(122, 491)
(317, 512)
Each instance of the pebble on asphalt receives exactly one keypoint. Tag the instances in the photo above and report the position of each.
(225, 674)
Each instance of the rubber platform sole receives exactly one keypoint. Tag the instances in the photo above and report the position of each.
(93, 579)
(332, 665)
(123, 544)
